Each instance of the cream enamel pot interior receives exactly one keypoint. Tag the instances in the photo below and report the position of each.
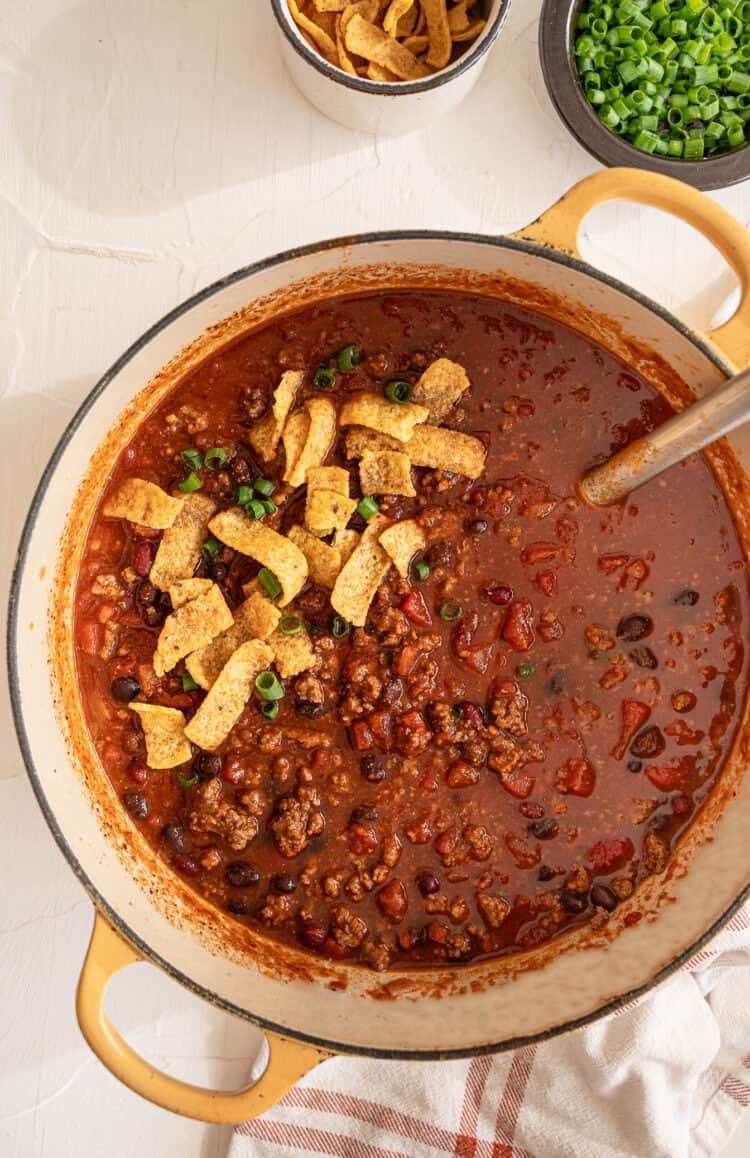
(311, 1011)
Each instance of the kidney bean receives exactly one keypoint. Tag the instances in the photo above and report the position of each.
(518, 629)
(313, 935)
(427, 883)
(392, 901)
(144, 553)
(186, 865)
(132, 742)
(648, 743)
(500, 595)
(603, 898)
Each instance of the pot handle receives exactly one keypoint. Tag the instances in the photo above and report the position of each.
(558, 228)
(289, 1060)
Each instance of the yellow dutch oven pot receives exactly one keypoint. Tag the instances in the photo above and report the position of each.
(312, 1010)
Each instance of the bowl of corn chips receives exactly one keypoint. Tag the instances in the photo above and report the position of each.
(387, 66)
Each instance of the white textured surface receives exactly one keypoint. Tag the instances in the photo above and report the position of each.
(147, 149)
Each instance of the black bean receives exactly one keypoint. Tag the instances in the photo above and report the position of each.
(555, 684)
(603, 898)
(175, 835)
(648, 743)
(238, 906)
(313, 935)
(635, 627)
(219, 572)
(132, 742)
(634, 766)
(241, 874)
(546, 873)
(441, 555)
(155, 614)
(136, 804)
(544, 829)
(364, 815)
(644, 657)
(372, 768)
(573, 902)
(124, 689)
(308, 710)
(686, 598)
(145, 594)
(478, 526)
(283, 883)
(427, 883)
(208, 765)
(240, 470)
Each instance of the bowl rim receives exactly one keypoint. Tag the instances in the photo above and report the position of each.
(476, 52)
(101, 903)
(566, 94)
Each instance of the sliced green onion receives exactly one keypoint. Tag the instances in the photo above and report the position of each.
(421, 570)
(270, 710)
(399, 391)
(255, 509)
(192, 459)
(450, 611)
(348, 358)
(269, 507)
(268, 687)
(367, 507)
(215, 458)
(290, 625)
(340, 627)
(188, 683)
(323, 378)
(525, 671)
(244, 495)
(269, 583)
(190, 484)
(264, 487)
(210, 549)
(187, 782)
(598, 655)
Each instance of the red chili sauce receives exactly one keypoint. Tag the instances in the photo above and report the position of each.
(440, 791)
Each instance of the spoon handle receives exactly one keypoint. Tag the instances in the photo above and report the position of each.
(696, 427)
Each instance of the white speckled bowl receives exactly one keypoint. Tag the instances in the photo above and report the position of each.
(312, 1009)
(376, 107)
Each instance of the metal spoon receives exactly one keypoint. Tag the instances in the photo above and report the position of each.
(719, 413)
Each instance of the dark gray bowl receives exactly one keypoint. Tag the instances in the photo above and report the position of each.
(556, 33)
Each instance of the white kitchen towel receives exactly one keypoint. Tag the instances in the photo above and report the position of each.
(667, 1077)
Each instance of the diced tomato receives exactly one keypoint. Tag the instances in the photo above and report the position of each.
(633, 716)
(632, 919)
(362, 839)
(606, 854)
(478, 659)
(407, 659)
(667, 777)
(106, 613)
(519, 784)
(539, 552)
(576, 778)
(332, 949)
(322, 759)
(88, 637)
(380, 724)
(180, 700)
(143, 557)
(682, 805)
(362, 737)
(546, 581)
(518, 629)
(611, 563)
(472, 714)
(415, 609)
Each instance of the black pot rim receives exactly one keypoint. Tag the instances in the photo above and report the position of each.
(15, 659)
(385, 88)
(566, 94)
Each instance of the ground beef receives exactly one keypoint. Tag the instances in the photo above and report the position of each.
(297, 818)
(210, 813)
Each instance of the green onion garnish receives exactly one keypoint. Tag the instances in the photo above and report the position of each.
(191, 483)
(525, 671)
(399, 391)
(188, 683)
(598, 655)
(264, 487)
(450, 611)
(192, 459)
(290, 625)
(269, 507)
(215, 458)
(667, 75)
(269, 583)
(340, 627)
(255, 509)
(348, 358)
(270, 710)
(421, 570)
(323, 378)
(367, 507)
(244, 495)
(187, 782)
(268, 686)
(210, 549)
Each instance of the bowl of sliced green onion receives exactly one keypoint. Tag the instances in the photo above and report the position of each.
(654, 84)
